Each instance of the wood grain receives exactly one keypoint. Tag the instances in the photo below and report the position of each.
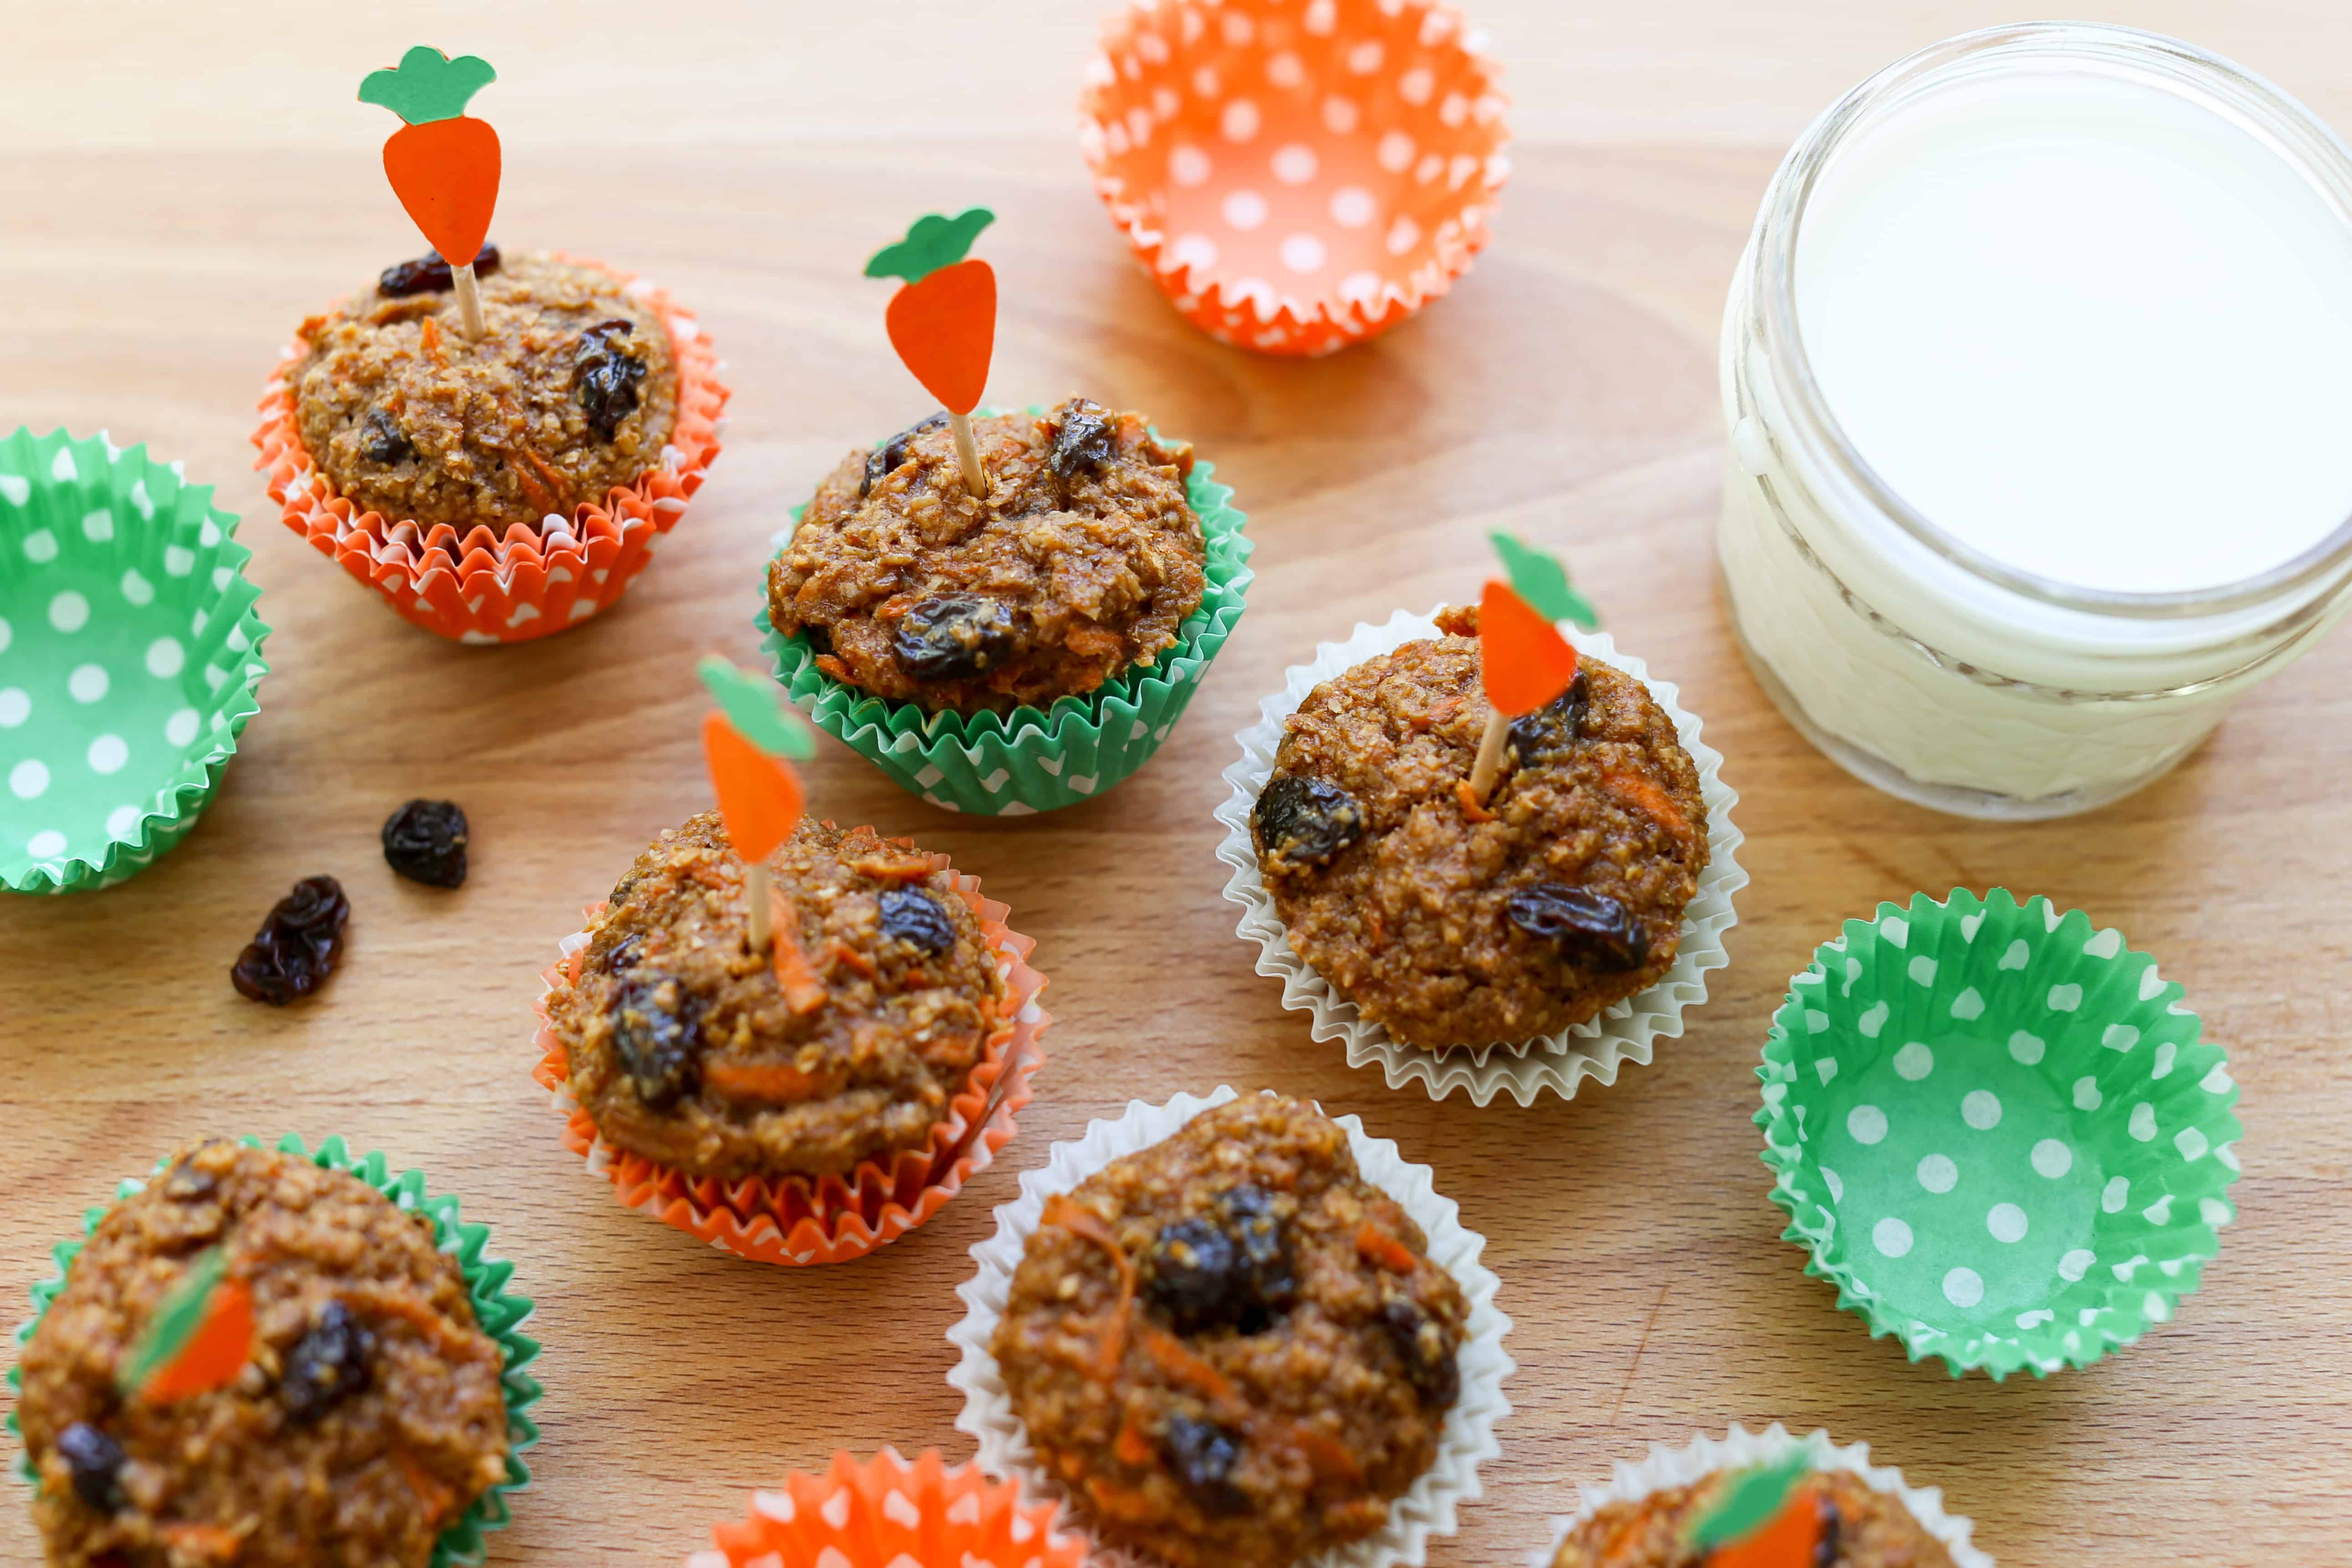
(1567, 390)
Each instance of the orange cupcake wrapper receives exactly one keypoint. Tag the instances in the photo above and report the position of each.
(1295, 177)
(482, 588)
(794, 1220)
(884, 1511)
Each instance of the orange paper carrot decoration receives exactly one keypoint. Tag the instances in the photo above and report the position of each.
(199, 1338)
(1768, 1518)
(443, 162)
(943, 320)
(759, 797)
(1524, 663)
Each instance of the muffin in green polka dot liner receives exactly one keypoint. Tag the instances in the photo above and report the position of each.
(1996, 1131)
(129, 652)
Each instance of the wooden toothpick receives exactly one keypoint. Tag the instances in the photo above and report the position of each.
(1482, 773)
(469, 298)
(757, 887)
(975, 478)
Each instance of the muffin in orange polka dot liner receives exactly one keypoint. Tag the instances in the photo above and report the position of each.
(794, 1220)
(1296, 178)
(884, 1511)
(486, 587)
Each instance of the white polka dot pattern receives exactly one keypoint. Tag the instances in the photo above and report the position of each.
(1998, 1133)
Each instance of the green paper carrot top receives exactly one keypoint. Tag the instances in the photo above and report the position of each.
(1765, 1519)
(199, 1338)
(443, 162)
(943, 320)
(1542, 582)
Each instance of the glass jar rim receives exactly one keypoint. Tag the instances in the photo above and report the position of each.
(2279, 122)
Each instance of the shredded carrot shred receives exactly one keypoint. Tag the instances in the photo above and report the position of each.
(555, 482)
(1187, 1370)
(436, 1496)
(204, 1540)
(778, 1083)
(532, 490)
(450, 1339)
(1132, 1447)
(1325, 1455)
(892, 868)
(1066, 1214)
(850, 958)
(1471, 807)
(1374, 1245)
(428, 338)
(804, 992)
(1643, 795)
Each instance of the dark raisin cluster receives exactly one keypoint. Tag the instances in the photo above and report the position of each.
(607, 376)
(1303, 821)
(428, 274)
(1085, 439)
(1546, 734)
(425, 841)
(891, 455)
(95, 1462)
(1233, 1269)
(296, 948)
(1420, 1343)
(952, 636)
(1587, 927)
(331, 1362)
(911, 915)
(1203, 1455)
(657, 1035)
(385, 442)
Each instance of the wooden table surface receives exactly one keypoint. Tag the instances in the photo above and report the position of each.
(180, 189)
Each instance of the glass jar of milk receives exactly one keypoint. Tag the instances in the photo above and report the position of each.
(2038, 374)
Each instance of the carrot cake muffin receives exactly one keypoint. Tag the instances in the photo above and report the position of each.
(685, 1046)
(1858, 1526)
(570, 394)
(367, 1414)
(1229, 1347)
(1450, 923)
(1083, 560)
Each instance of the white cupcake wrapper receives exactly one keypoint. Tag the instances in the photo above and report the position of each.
(1742, 1449)
(1558, 1061)
(1426, 1509)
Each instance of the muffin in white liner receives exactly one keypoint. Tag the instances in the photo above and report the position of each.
(1740, 1449)
(1427, 1507)
(1621, 1032)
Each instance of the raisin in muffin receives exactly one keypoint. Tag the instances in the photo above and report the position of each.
(1452, 925)
(687, 1048)
(1229, 1347)
(570, 394)
(1857, 1527)
(369, 1414)
(1083, 560)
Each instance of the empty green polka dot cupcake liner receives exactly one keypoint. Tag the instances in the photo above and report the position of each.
(1996, 1131)
(499, 1311)
(1011, 764)
(130, 653)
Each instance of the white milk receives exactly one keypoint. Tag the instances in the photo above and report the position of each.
(2037, 326)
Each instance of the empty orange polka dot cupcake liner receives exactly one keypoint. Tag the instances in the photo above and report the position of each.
(1295, 177)
(482, 588)
(884, 1511)
(795, 1220)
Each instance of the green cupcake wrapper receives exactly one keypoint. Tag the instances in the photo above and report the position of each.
(1995, 1130)
(499, 1311)
(130, 659)
(1011, 764)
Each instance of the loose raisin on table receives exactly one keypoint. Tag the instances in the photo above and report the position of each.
(1304, 821)
(911, 915)
(1587, 928)
(607, 376)
(1203, 1455)
(1420, 1343)
(428, 274)
(425, 841)
(96, 1461)
(385, 441)
(331, 1362)
(296, 948)
(891, 455)
(657, 1035)
(951, 636)
(1545, 734)
(1084, 439)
